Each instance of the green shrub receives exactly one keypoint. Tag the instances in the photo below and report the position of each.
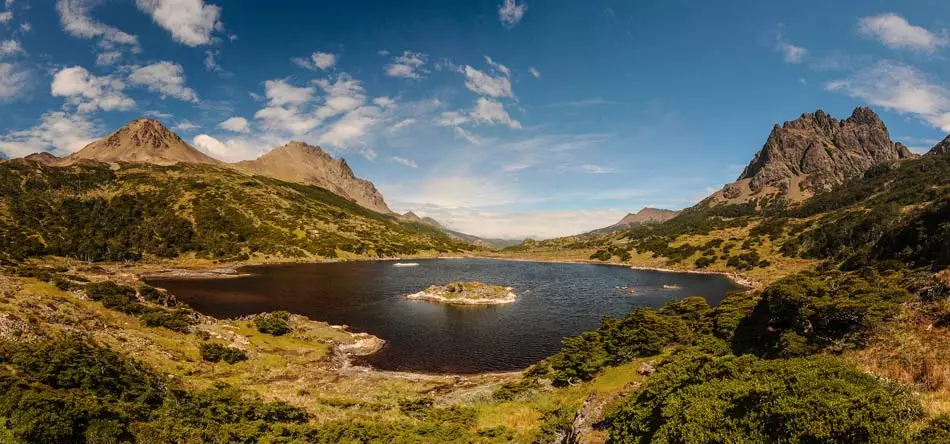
(696, 398)
(275, 323)
(114, 296)
(936, 432)
(213, 352)
(179, 320)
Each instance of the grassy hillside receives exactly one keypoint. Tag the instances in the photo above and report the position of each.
(95, 213)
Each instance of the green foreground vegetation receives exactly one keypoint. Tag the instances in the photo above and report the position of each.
(836, 353)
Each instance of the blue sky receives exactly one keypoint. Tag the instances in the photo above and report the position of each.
(502, 118)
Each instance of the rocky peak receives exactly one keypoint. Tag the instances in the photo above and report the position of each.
(647, 214)
(145, 141)
(814, 153)
(43, 158)
(298, 161)
(941, 148)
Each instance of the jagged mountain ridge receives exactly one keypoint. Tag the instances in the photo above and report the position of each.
(814, 153)
(304, 163)
(941, 148)
(148, 141)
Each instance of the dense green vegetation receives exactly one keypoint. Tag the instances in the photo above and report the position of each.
(276, 323)
(213, 352)
(697, 398)
(93, 213)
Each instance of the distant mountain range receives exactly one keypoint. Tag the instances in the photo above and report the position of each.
(645, 215)
(468, 238)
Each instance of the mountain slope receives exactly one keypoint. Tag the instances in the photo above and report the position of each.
(941, 148)
(647, 214)
(143, 141)
(812, 154)
(93, 211)
(300, 162)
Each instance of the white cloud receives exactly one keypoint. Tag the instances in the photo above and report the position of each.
(13, 81)
(186, 125)
(896, 32)
(166, 79)
(281, 93)
(520, 225)
(5, 17)
(190, 22)
(534, 72)
(26, 27)
(901, 88)
(402, 124)
(10, 47)
(404, 161)
(453, 118)
(410, 65)
(108, 58)
(352, 127)
(596, 169)
(232, 150)
(511, 12)
(235, 124)
(57, 131)
(317, 60)
(462, 133)
(791, 53)
(289, 120)
(342, 95)
(211, 60)
(384, 102)
(89, 92)
(76, 19)
(492, 112)
(487, 85)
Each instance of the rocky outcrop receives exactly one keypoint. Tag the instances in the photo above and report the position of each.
(941, 148)
(815, 153)
(300, 162)
(144, 141)
(467, 293)
(646, 215)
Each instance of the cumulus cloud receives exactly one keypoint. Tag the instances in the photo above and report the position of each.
(896, 32)
(231, 150)
(89, 92)
(5, 17)
(317, 61)
(410, 65)
(352, 127)
(76, 19)
(190, 22)
(487, 85)
(59, 132)
(283, 119)
(10, 48)
(492, 112)
(13, 81)
(235, 124)
(165, 78)
(280, 93)
(404, 161)
(901, 88)
(344, 94)
(511, 12)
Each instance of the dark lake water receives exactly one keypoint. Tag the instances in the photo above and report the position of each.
(555, 300)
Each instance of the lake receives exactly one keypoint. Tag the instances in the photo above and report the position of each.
(555, 300)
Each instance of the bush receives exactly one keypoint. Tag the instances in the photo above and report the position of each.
(156, 296)
(179, 320)
(695, 398)
(212, 352)
(275, 323)
(114, 296)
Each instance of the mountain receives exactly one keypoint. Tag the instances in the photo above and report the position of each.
(814, 153)
(95, 211)
(303, 163)
(43, 158)
(142, 141)
(458, 235)
(941, 148)
(646, 215)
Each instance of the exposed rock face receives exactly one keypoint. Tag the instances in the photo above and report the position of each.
(941, 148)
(145, 141)
(815, 153)
(300, 162)
(647, 215)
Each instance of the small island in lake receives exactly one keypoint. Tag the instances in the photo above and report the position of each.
(467, 293)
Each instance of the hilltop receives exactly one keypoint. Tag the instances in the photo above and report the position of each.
(142, 141)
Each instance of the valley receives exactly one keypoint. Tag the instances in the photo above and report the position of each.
(840, 233)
